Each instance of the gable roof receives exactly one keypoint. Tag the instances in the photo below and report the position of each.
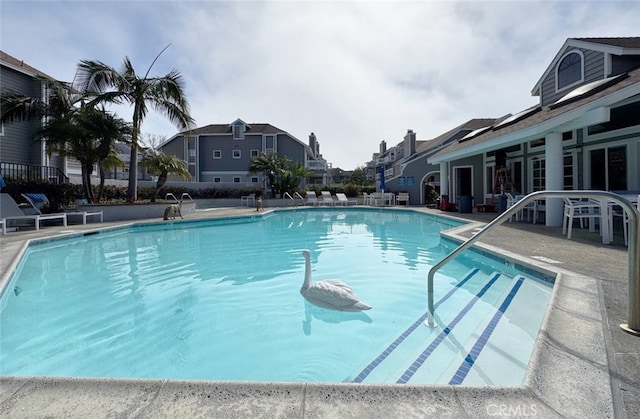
(20, 66)
(562, 115)
(255, 128)
(222, 129)
(614, 46)
(454, 134)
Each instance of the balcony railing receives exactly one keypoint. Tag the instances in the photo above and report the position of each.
(33, 173)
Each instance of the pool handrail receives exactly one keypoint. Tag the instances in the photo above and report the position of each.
(292, 198)
(288, 195)
(633, 325)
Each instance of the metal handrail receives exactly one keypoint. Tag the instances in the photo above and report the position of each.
(633, 325)
(288, 195)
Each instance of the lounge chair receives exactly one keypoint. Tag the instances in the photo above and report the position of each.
(327, 198)
(343, 200)
(312, 198)
(83, 215)
(39, 201)
(13, 216)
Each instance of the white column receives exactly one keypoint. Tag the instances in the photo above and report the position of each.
(554, 173)
(444, 179)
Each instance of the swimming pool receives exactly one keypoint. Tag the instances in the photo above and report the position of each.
(220, 300)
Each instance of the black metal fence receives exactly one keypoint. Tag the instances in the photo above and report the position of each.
(29, 172)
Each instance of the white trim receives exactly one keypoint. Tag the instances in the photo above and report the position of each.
(630, 144)
(456, 183)
(575, 83)
(562, 122)
(574, 43)
(239, 154)
(607, 65)
(213, 154)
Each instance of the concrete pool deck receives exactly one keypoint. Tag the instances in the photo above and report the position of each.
(583, 366)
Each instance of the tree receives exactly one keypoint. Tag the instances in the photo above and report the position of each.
(165, 94)
(72, 127)
(291, 176)
(283, 174)
(358, 177)
(163, 165)
(271, 165)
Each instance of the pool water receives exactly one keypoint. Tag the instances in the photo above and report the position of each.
(220, 300)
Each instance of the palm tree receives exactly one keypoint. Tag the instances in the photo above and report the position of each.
(164, 94)
(163, 165)
(88, 135)
(271, 165)
(291, 177)
(72, 128)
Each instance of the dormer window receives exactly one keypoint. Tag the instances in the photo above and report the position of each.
(238, 131)
(570, 70)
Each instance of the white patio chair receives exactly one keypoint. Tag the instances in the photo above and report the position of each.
(244, 200)
(402, 197)
(585, 211)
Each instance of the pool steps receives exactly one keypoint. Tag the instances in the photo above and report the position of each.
(424, 351)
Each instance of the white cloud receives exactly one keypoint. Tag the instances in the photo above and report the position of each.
(354, 73)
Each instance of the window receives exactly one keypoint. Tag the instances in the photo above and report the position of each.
(569, 70)
(401, 181)
(538, 177)
(254, 179)
(568, 172)
(192, 156)
(269, 143)
(620, 117)
(217, 154)
(236, 179)
(238, 132)
(609, 169)
(410, 180)
(237, 154)
(255, 153)
(217, 179)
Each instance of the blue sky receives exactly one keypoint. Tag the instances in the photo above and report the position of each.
(353, 72)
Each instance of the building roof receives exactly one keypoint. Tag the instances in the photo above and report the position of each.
(443, 139)
(564, 114)
(630, 42)
(615, 46)
(254, 128)
(19, 65)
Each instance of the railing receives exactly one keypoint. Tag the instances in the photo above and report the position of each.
(288, 196)
(633, 325)
(31, 172)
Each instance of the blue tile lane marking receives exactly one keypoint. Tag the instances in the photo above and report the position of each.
(373, 364)
(466, 365)
(433, 345)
